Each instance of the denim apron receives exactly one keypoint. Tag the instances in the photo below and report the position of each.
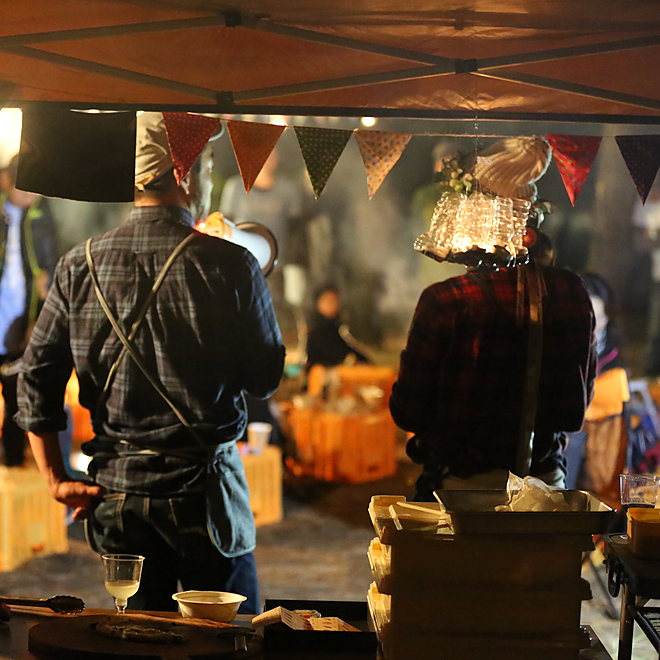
(229, 518)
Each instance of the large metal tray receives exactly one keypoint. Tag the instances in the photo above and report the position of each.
(473, 512)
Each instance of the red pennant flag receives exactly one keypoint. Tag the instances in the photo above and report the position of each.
(321, 149)
(187, 134)
(574, 155)
(642, 156)
(252, 143)
(380, 151)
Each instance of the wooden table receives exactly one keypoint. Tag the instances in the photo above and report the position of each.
(14, 638)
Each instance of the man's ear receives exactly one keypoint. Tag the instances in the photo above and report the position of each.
(187, 184)
(5, 181)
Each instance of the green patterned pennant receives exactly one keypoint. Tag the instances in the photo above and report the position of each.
(321, 149)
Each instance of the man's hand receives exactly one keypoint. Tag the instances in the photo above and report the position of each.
(77, 495)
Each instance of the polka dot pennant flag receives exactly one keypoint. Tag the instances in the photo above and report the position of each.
(380, 151)
(574, 155)
(321, 149)
(642, 156)
(253, 143)
(187, 134)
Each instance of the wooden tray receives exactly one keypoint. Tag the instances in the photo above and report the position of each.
(75, 638)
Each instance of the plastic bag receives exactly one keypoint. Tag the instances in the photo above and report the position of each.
(532, 494)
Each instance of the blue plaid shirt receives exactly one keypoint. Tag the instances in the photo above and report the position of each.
(209, 335)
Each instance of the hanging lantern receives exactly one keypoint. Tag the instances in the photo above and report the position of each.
(475, 230)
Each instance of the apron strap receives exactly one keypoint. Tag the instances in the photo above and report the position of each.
(533, 374)
(127, 342)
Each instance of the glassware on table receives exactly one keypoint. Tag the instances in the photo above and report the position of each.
(122, 577)
(639, 490)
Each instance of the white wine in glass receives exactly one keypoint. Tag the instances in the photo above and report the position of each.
(122, 577)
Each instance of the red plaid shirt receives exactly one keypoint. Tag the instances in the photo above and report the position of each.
(461, 379)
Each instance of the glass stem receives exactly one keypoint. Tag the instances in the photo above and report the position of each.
(121, 605)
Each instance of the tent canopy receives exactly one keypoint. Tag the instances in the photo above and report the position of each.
(560, 60)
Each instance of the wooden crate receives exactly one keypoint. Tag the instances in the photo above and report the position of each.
(351, 378)
(264, 477)
(32, 523)
(352, 448)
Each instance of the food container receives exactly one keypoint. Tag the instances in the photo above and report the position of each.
(644, 532)
(279, 637)
(473, 512)
(215, 605)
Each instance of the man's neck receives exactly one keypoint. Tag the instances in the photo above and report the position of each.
(170, 198)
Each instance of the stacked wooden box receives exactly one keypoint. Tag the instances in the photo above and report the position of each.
(442, 595)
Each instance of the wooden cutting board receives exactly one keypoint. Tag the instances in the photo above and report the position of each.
(75, 638)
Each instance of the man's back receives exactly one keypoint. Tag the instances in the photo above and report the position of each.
(206, 335)
(461, 384)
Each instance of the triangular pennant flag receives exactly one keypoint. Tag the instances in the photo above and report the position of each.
(574, 155)
(187, 134)
(253, 143)
(642, 156)
(321, 149)
(380, 151)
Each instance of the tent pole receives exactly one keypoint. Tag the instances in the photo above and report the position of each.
(109, 31)
(574, 88)
(114, 72)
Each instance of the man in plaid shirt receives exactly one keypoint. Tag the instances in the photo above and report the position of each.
(171, 491)
(461, 381)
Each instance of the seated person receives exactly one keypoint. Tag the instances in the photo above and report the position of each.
(325, 344)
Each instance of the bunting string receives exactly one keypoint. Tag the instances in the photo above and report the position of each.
(321, 149)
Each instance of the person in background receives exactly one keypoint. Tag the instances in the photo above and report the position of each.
(607, 339)
(461, 382)
(168, 480)
(325, 344)
(28, 254)
(608, 358)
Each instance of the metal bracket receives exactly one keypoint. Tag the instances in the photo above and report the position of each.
(226, 101)
(233, 18)
(466, 66)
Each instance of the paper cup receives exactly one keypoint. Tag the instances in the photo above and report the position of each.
(258, 436)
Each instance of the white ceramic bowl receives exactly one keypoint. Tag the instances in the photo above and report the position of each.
(216, 605)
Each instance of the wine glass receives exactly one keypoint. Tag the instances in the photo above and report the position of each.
(122, 577)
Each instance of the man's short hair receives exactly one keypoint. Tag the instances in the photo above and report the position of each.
(163, 183)
(167, 181)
